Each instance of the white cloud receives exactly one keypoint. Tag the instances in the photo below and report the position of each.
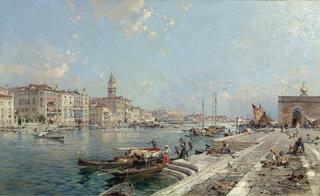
(75, 36)
(47, 72)
(40, 62)
(130, 14)
(13, 69)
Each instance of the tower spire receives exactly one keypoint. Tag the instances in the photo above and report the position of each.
(112, 85)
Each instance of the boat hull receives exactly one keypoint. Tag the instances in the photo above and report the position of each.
(51, 137)
(105, 164)
(139, 171)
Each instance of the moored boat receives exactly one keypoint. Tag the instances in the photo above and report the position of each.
(50, 137)
(139, 171)
(122, 189)
(107, 164)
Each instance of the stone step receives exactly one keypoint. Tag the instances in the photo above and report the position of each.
(186, 165)
(180, 169)
(174, 173)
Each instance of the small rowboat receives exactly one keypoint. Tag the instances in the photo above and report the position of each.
(106, 164)
(123, 189)
(138, 171)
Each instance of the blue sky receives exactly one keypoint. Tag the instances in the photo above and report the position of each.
(165, 54)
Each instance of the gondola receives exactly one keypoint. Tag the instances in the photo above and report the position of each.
(138, 171)
(106, 164)
(50, 137)
(123, 189)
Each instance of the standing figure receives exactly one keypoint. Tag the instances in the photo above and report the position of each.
(183, 152)
(166, 158)
(153, 143)
(177, 151)
(188, 144)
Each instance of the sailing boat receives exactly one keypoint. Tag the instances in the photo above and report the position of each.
(213, 129)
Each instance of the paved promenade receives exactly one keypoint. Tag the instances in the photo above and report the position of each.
(243, 173)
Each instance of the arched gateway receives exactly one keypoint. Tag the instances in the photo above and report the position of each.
(296, 119)
(302, 111)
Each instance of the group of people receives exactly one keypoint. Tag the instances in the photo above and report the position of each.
(278, 159)
(185, 145)
(184, 149)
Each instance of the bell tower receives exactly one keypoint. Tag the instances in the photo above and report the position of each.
(112, 86)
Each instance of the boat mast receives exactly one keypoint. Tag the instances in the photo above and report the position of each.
(202, 114)
(215, 109)
(212, 111)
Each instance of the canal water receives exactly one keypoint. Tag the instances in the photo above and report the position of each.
(32, 166)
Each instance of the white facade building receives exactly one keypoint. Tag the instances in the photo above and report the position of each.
(7, 118)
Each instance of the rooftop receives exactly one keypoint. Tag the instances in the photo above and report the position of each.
(312, 99)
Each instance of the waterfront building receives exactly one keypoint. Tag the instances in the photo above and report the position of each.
(161, 115)
(148, 117)
(7, 117)
(121, 107)
(299, 111)
(40, 103)
(75, 108)
(171, 117)
(37, 103)
(67, 103)
(135, 115)
(81, 108)
(101, 116)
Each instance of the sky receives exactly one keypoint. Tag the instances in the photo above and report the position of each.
(165, 54)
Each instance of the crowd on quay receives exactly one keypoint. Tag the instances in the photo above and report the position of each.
(296, 149)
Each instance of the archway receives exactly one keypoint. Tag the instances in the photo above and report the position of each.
(296, 119)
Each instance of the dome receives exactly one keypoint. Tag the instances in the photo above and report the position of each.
(303, 90)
